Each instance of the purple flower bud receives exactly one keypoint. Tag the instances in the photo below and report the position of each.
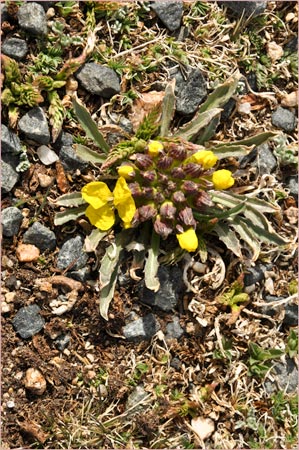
(189, 187)
(193, 169)
(177, 151)
(135, 189)
(171, 186)
(148, 192)
(186, 217)
(168, 210)
(148, 176)
(142, 161)
(202, 200)
(179, 197)
(178, 172)
(164, 162)
(159, 198)
(162, 227)
(146, 212)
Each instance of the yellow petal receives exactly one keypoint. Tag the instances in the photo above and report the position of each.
(206, 158)
(154, 148)
(126, 172)
(121, 192)
(222, 179)
(126, 210)
(96, 193)
(102, 218)
(188, 240)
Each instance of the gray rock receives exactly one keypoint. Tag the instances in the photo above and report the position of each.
(144, 328)
(64, 139)
(135, 398)
(189, 92)
(62, 341)
(70, 160)
(4, 13)
(284, 119)
(170, 13)
(40, 236)
(46, 155)
(171, 287)
(255, 274)
(9, 177)
(99, 80)
(11, 219)
(176, 363)
(80, 275)
(265, 160)
(248, 8)
(12, 283)
(292, 185)
(291, 311)
(72, 250)
(27, 322)
(15, 48)
(292, 46)
(10, 142)
(286, 378)
(35, 126)
(174, 329)
(32, 18)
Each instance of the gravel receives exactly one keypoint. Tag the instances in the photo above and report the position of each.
(40, 236)
(70, 160)
(72, 250)
(28, 322)
(35, 126)
(265, 160)
(99, 80)
(9, 177)
(285, 378)
(10, 142)
(15, 48)
(174, 329)
(143, 328)
(284, 119)
(32, 18)
(46, 155)
(170, 13)
(11, 219)
(189, 91)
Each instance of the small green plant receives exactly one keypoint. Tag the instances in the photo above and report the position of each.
(292, 344)
(285, 152)
(167, 188)
(259, 361)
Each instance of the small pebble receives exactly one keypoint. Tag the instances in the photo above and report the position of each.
(46, 155)
(44, 180)
(27, 253)
(35, 381)
(10, 296)
(290, 100)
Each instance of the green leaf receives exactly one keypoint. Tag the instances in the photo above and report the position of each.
(92, 241)
(69, 214)
(73, 199)
(89, 155)
(151, 264)
(256, 140)
(221, 94)
(89, 126)
(247, 235)
(228, 150)
(269, 237)
(229, 238)
(209, 131)
(201, 120)
(230, 199)
(168, 108)
(108, 275)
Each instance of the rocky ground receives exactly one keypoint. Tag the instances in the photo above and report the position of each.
(169, 369)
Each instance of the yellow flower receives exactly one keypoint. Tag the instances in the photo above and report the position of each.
(126, 171)
(222, 179)
(102, 201)
(205, 158)
(154, 148)
(188, 240)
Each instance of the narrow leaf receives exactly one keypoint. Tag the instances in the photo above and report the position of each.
(89, 155)
(269, 237)
(92, 241)
(229, 238)
(247, 235)
(69, 214)
(151, 264)
(89, 126)
(73, 199)
(229, 150)
(221, 94)
(230, 199)
(201, 120)
(168, 108)
(108, 275)
(253, 140)
(209, 131)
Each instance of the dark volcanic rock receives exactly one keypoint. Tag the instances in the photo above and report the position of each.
(284, 119)
(9, 177)
(35, 126)
(170, 13)
(11, 219)
(70, 160)
(40, 236)
(32, 18)
(190, 92)
(27, 322)
(15, 48)
(72, 250)
(99, 80)
(10, 143)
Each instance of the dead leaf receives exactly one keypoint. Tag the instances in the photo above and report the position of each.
(274, 51)
(203, 427)
(143, 105)
(62, 182)
(292, 215)
(290, 100)
(34, 430)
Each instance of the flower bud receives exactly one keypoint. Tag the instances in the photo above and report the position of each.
(186, 217)
(171, 186)
(189, 187)
(188, 240)
(167, 210)
(178, 172)
(164, 162)
(205, 158)
(159, 198)
(146, 212)
(135, 189)
(148, 192)
(126, 171)
(154, 148)
(177, 151)
(193, 169)
(179, 197)
(222, 179)
(142, 161)
(202, 200)
(162, 228)
(148, 176)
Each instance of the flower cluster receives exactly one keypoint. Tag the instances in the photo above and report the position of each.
(166, 184)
